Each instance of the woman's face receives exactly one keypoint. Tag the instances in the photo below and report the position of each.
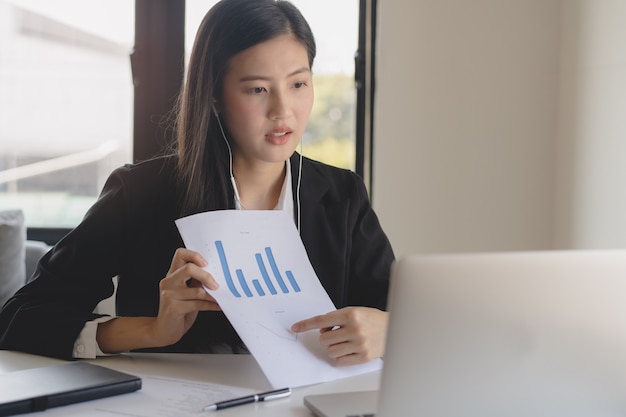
(267, 99)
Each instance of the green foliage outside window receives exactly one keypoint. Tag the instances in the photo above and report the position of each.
(329, 136)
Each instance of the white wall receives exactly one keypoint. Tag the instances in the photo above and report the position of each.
(591, 208)
(465, 124)
(501, 125)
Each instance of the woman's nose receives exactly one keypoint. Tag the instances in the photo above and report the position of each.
(279, 106)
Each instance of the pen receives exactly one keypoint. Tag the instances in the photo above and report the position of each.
(264, 396)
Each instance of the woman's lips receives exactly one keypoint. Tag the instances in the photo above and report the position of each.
(279, 136)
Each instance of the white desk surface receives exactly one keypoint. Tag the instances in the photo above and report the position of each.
(236, 370)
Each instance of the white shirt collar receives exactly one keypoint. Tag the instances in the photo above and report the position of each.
(285, 200)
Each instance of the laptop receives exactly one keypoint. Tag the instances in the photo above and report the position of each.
(500, 334)
(38, 389)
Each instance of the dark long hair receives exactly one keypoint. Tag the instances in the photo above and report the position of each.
(230, 27)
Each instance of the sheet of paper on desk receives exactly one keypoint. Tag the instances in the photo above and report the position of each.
(266, 284)
(159, 396)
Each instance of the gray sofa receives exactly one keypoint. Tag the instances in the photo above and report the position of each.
(18, 256)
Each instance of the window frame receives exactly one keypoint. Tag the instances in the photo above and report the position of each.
(365, 78)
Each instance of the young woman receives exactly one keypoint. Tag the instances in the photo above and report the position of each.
(241, 114)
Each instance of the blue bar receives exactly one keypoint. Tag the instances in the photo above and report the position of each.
(279, 279)
(225, 269)
(266, 277)
(292, 281)
(244, 284)
(257, 286)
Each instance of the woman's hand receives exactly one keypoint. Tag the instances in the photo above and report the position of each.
(352, 335)
(182, 296)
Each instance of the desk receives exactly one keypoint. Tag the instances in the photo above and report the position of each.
(237, 370)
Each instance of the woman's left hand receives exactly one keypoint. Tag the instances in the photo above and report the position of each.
(352, 335)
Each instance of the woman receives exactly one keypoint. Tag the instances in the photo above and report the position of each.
(242, 111)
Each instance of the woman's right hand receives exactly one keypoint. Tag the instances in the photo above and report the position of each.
(182, 296)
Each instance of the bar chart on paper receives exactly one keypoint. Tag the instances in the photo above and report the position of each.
(268, 280)
(266, 283)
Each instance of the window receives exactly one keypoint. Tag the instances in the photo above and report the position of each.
(66, 104)
(71, 110)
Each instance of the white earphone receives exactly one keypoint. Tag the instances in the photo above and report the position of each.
(232, 175)
(230, 154)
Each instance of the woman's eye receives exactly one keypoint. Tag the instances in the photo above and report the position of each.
(257, 90)
(299, 85)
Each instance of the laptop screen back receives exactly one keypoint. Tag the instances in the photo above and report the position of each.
(515, 334)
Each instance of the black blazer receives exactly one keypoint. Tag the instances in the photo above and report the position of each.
(130, 233)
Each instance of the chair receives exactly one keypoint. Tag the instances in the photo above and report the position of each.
(18, 256)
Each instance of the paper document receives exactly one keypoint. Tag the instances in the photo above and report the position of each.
(159, 396)
(266, 284)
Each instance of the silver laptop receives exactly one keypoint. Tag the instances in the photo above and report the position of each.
(503, 334)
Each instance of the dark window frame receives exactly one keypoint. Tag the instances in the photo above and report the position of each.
(158, 62)
(365, 77)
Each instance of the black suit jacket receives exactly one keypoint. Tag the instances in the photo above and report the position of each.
(130, 233)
